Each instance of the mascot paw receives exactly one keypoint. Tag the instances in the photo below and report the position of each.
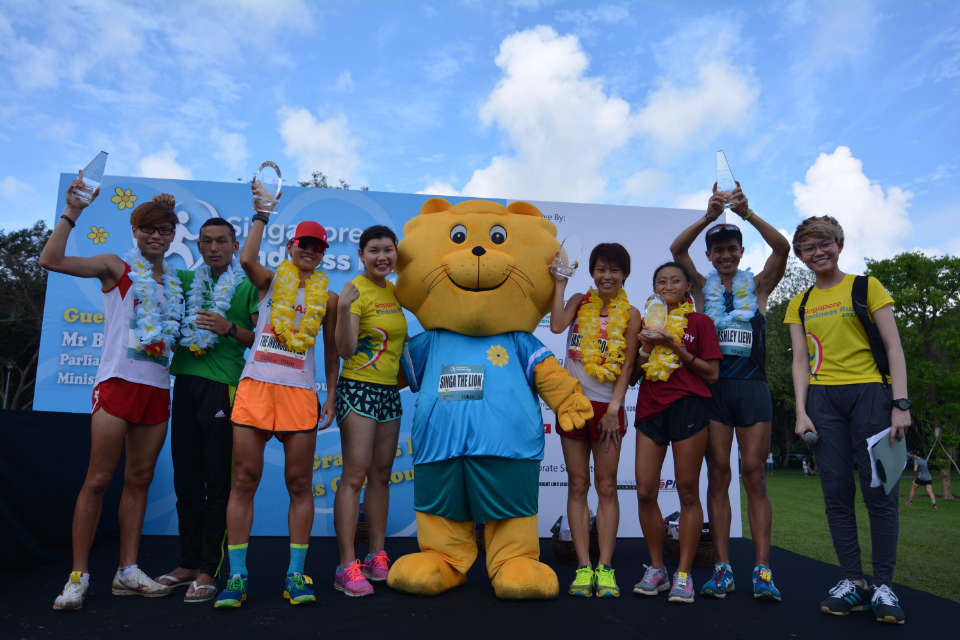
(424, 573)
(525, 579)
(574, 412)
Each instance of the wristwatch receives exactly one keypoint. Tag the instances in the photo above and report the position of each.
(232, 331)
(902, 403)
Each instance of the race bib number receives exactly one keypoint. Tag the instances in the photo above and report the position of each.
(736, 340)
(135, 351)
(461, 382)
(271, 350)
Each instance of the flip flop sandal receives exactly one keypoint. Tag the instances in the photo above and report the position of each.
(202, 593)
(174, 581)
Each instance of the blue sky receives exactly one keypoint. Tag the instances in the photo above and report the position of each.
(847, 108)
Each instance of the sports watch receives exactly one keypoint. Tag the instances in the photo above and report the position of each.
(902, 403)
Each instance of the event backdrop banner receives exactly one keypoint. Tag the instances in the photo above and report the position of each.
(72, 334)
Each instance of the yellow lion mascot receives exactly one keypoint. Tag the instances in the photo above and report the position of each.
(475, 275)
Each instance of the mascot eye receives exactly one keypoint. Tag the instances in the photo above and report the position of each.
(498, 234)
(459, 234)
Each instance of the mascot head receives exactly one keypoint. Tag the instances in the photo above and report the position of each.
(477, 267)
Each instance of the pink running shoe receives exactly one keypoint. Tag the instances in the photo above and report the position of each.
(350, 580)
(376, 566)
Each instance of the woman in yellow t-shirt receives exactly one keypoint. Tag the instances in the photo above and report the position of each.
(842, 399)
(370, 334)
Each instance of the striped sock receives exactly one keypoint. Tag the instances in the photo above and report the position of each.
(238, 558)
(298, 556)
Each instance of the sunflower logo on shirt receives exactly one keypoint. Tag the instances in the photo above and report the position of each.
(498, 356)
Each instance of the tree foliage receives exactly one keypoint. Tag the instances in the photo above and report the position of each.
(318, 180)
(22, 289)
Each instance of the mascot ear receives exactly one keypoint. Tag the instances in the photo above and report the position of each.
(524, 209)
(435, 205)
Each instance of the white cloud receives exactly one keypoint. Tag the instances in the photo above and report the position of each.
(12, 188)
(230, 149)
(700, 93)
(875, 223)
(344, 83)
(560, 123)
(756, 250)
(696, 200)
(163, 164)
(314, 145)
(447, 62)
(646, 184)
(440, 188)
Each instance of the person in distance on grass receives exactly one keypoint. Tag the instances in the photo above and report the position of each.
(371, 330)
(277, 396)
(601, 348)
(679, 361)
(220, 313)
(922, 478)
(841, 396)
(143, 304)
(736, 301)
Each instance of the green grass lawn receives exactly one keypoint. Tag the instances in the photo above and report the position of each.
(928, 556)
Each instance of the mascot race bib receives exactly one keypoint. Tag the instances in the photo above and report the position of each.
(461, 382)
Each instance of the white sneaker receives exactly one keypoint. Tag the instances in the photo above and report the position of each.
(137, 583)
(71, 598)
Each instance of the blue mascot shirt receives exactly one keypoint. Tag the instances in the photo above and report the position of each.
(476, 396)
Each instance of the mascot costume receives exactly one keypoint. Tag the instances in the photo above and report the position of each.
(476, 276)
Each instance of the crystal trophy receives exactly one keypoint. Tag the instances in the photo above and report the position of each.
(568, 256)
(268, 175)
(654, 313)
(725, 182)
(92, 177)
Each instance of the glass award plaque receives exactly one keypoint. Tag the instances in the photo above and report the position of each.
(271, 182)
(568, 256)
(725, 181)
(92, 177)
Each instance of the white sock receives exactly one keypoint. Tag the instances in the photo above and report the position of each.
(126, 571)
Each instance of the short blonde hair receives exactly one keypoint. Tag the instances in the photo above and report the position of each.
(817, 227)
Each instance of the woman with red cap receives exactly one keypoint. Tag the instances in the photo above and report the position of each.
(277, 395)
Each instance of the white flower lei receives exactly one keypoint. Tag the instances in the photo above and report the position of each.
(200, 340)
(158, 315)
(744, 299)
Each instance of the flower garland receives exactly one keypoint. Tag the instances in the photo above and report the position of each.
(200, 340)
(664, 360)
(588, 319)
(744, 299)
(158, 314)
(282, 315)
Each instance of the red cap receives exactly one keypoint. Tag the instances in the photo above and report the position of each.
(310, 229)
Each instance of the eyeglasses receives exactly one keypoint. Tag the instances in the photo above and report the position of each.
(808, 249)
(163, 230)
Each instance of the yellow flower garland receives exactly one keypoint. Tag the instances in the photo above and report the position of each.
(663, 360)
(283, 314)
(588, 319)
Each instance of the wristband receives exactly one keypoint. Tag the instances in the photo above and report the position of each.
(749, 214)
(642, 353)
(690, 361)
(73, 223)
(232, 331)
(262, 218)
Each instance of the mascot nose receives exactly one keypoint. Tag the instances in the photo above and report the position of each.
(479, 251)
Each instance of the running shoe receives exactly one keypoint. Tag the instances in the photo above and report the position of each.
(606, 585)
(844, 597)
(583, 583)
(137, 583)
(234, 594)
(653, 582)
(908, 502)
(682, 590)
(296, 589)
(71, 598)
(886, 605)
(763, 587)
(350, 580)
(720, 583)
(376, 566)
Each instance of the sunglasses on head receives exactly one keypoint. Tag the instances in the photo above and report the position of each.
(721, 228)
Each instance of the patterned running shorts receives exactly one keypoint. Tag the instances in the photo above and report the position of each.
(379, 402)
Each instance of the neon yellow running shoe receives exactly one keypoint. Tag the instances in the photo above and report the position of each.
(583, 583)
(606, 586)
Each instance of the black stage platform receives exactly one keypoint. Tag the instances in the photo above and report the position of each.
(471, 611)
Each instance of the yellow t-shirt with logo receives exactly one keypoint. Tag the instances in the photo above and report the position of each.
(836, 340)
(383, 329)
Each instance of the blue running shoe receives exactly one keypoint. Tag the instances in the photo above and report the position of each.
(234, 594)
(763, 587)
(654, 581)
(886, 605)
(296, 589)
(720, 583)
(845, 597)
